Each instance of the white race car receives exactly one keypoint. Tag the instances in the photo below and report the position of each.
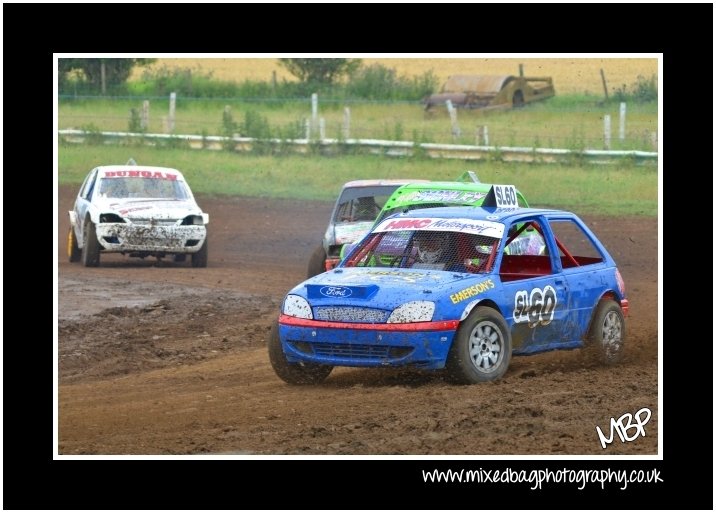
(138, 211)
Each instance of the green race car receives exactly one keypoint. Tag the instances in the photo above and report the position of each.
(442, 194)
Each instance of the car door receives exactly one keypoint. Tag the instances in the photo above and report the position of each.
(536, 295)
(582, 264)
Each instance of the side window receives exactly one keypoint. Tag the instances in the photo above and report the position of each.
(363, 208)
(575, 247)
(526, 254)
(88, 186)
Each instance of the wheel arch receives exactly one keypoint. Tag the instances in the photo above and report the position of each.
(608, 295)
(479, 302)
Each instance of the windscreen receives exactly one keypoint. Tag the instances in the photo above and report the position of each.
(141, 187)
(426, 249)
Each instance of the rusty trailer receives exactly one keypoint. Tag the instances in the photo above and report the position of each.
(491, 91)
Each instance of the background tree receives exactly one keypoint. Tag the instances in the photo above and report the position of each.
(116, 71)
(320, 71)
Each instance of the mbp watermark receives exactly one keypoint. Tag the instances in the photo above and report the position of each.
(623, 425)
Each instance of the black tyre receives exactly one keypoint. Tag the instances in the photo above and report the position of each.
(201, 257)
(518, 100)
(90, 250)
(294, 373)
(607, 333)
(482, 348)
(317, 262)
(73, 251)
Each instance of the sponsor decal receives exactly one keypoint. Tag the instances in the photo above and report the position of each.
(537, 307)
(472, 291)
(126, 211)
(336, 291)
(487, 228)
(441, 196)
(140, 174)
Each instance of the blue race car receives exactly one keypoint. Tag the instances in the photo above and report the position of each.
(445, 288)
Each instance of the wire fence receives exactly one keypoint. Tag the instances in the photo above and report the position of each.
(586, 126)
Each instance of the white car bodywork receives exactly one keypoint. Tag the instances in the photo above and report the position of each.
(139, 211)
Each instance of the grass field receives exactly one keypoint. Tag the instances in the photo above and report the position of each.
(619, 189)
(571, 75)
(612, 190)
(548, 124)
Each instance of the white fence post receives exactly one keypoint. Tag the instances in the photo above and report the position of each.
(453, 118)
(314, 110)
(145, 115)
(622, 120)
(346, 123)
(481, 137)
(607, 131)
(172, 111)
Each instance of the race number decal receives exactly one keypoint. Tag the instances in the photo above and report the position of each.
(505, 196)
(537, 307)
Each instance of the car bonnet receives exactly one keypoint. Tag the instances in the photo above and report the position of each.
(155, 208)
(383, 285)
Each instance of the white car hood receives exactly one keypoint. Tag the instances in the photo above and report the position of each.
(151, 208)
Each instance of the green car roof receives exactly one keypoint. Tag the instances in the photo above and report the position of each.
(440, 194)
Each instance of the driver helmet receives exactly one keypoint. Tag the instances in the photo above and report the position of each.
(430, 246)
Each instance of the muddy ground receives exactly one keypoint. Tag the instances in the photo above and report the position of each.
(159, 358)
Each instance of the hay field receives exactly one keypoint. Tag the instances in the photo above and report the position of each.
(571, 75)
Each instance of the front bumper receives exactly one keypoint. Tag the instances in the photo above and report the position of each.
(424, 345)
(120, 237)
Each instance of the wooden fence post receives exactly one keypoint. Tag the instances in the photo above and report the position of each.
(347, 123)
(103, 77)
(604, 84)
(145, 115)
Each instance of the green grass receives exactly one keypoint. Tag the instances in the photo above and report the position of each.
(565, 122)
(621, 189)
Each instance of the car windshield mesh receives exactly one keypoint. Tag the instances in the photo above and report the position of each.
(426, 249)
(141, 187)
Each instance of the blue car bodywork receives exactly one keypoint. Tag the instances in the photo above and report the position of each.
(471, 315)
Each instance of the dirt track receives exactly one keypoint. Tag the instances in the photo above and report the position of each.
(160, 358)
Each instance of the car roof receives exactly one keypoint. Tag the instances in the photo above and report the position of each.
(501, 215)
(409, 193)
(152, 169)
(373, 182)
(456, 186)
